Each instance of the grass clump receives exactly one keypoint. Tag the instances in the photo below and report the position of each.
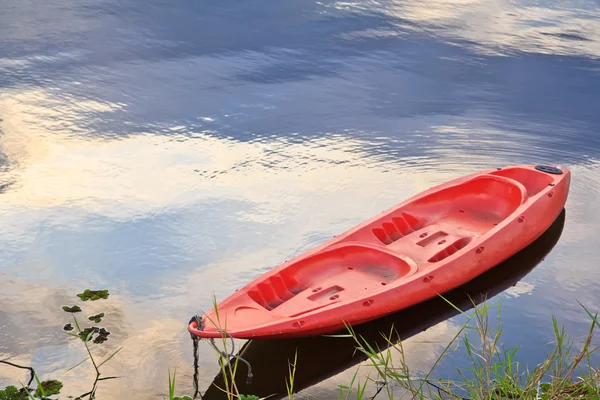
(492, 374)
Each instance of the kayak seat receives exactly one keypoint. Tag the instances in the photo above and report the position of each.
(439, 224)
(324, 278)
(475, 205)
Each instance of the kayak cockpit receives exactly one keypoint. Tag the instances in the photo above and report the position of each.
(328, 277)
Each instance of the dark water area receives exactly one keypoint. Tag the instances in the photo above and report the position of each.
(169, 151)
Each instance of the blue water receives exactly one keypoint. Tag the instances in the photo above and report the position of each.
(169, 151)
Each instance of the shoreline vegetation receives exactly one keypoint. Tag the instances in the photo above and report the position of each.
(491, 373)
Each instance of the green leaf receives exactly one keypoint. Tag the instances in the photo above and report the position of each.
(68, 327)
(97, 318)
(12, 393)
(544, 387)
(93, 294)
(248, 397)
(102, 336)
(72, 309)
(88, 333)
(48, 388)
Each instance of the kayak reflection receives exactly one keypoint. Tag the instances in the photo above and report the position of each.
(321, 357)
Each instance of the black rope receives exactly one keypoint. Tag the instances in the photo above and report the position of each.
(223, 354)
(232, 355)
(195, 341)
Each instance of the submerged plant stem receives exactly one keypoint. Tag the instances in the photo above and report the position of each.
(32, 372)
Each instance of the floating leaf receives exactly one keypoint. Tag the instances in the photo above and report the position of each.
(93, 294)
(72, 309)
(101, 334)
(100, 339)
(96, 318)
(85, 333)
(68, 327)
(48, 388)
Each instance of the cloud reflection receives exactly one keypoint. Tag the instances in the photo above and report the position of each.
(497, 27)
(53, 166)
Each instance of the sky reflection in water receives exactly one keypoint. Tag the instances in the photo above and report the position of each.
(170, 151)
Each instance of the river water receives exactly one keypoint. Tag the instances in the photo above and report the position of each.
(172, 151)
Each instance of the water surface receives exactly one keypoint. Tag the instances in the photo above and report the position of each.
(170, 151)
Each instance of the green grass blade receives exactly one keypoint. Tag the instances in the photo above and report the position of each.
(39, 384)
(111, 356)
(26, 390)
(594, 318)
(77, 365)
(172, 384)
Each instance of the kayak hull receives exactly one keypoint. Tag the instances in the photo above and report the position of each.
(425, 246)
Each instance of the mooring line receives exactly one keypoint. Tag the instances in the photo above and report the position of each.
(211, 342)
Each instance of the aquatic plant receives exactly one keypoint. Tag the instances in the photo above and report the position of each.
(42, 391)
(96, 334)
(93, 294)
(87, 334)
(96, 318)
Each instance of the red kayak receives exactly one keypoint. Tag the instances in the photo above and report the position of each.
(422, 247)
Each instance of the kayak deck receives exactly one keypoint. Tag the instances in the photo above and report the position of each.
(390, 261)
